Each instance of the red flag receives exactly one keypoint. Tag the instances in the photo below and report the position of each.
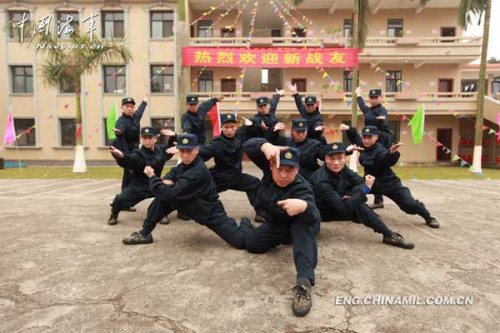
(318, 105)
(78, 132)
(215, 119)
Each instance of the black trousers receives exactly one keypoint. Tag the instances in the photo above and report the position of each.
(127, 178)
(218, 221)
(362, 214)
(130, 196)
(300, 235)
(387, 140)
(401, 195)
(240, 182)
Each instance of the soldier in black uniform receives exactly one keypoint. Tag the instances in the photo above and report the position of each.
(310, 149)
(189, 188)
(193, 120)
(377, 161)
(376, 115)
(150, 154)
(341, 195)
(287, 202)
(265, 124)
(127, 131)
(310, 112)
(227, 151)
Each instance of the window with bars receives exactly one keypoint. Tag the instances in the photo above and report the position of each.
(68, 132)
(23, 125)
(22, 79)
(113, 25)
(115, 79)
(394, 28)
(162, 24)
(16, 17)
(67, 22)
(205, 28)
(347, 81)
(393, 81)
(347, 30)
(205, 81)
(162, 79)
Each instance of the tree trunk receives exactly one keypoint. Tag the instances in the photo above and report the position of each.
(79, 166)
(478, 141)
(182, 36)
(353, 162)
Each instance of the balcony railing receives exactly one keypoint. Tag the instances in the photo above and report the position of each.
(338, 103)
(389, 96)
(332, 41)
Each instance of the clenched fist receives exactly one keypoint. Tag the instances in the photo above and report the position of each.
(293, 206)
(344, 127)
(369, 180)
(149, 171)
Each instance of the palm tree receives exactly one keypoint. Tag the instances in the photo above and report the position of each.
(467, 10)
(66, 67)
(183, 77)
(359, 31)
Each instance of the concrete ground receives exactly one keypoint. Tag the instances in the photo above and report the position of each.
(63, 269)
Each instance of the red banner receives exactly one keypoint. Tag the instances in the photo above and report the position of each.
(269, 57)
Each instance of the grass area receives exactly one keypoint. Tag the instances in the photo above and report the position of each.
(413, 172)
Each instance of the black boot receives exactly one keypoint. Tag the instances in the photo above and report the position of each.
(113, 219)
(397, 240)
(302, 301)
(377, 205)
(245, 225)
(138, 238)
(432, 222)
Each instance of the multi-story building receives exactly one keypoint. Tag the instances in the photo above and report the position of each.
(416, 55)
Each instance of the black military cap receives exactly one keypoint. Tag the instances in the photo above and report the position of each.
(335, 148)
(289, 156)
(299, 124)
(263, 100)
(192, 99)
(227, 118)
(369, 131)
(128, 100)
(148, 131)
(310, 99)
(375, 93)
(187, 141)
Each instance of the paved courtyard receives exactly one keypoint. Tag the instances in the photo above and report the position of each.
(63, 269)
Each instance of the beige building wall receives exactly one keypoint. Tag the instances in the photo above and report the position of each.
(47, 106)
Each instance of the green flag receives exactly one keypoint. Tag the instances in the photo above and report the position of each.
(417, 125)
(111, 122)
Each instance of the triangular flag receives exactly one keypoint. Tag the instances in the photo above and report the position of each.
(492, 131)
(463, 163)
(485, 128)
(111, 121)
(455, 158)
(417, 125)
(10, 132)
(439, 144)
